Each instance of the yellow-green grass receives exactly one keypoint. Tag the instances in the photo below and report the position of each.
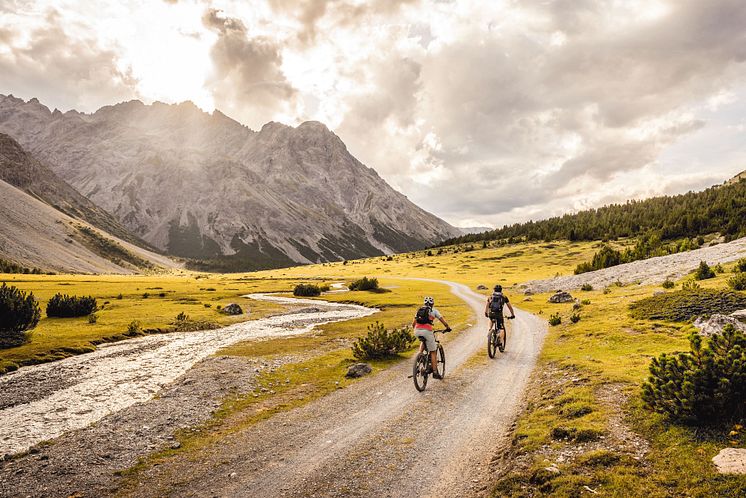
(55, 338)
(608, 347)
(507, 265)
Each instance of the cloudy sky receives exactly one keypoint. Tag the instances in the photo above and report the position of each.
(482, 112)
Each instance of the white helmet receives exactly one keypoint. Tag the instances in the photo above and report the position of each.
(429, 301)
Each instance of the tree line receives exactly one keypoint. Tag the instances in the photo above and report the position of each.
(717, 209)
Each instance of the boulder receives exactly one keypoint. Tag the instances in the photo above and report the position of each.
(358, 370)
(731, 461)
(658, 292)
(716, 323)
(232, 309)
(739, 315)
(528, 292)
(561, 297)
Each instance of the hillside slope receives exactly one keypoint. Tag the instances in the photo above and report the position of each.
(204, 186)
(34, 234)
(721, 208)
(22, 170)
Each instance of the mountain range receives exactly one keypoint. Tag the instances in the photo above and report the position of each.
(205, 187)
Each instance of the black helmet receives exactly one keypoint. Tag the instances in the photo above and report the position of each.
(498, 288)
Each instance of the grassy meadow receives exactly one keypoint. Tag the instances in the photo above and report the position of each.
(585, 391)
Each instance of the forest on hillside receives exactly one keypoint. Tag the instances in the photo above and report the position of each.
(717, 209)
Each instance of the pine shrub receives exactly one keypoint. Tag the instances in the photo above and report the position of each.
(683, 305)
(307, 290)
(555, 319)
(575, 318)
(706, 386)
(704, 271)
(668, 284)
(382, 343)
(64, 306)
(19, 312)
(586, 287)
(364, 284)
(740, 266)
(738, 281)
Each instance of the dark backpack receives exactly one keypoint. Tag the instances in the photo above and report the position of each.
(497, 303)
(423, 316)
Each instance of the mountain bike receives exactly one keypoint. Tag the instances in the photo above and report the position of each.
(494, 341)
(422, 361)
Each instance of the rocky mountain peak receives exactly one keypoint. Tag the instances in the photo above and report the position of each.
(204, 186)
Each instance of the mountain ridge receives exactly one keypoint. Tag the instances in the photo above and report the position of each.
(205, 186)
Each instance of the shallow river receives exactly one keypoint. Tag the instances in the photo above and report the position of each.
(42, 402)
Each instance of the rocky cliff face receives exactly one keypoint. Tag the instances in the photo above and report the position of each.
(21, 170)
(204, 186)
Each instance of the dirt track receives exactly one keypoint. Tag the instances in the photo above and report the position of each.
(378, 437)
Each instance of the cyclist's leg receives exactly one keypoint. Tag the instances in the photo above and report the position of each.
(501, 325)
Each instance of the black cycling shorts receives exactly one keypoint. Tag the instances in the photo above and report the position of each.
(499, 319)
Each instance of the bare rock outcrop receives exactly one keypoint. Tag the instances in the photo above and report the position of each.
(273, 197)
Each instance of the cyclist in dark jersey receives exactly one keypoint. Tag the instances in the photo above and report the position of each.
(495, 311)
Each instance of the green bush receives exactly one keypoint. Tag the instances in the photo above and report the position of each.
(738, 281)
(706, 386)
(382, 343)
(19, 312)
(134, 329)
(740, 266)
(64, 306)
(585, 302)
(690, 286)
(364, 284)
(586, 287)
(307, 290)
(575, 318)
(683, 305)
(668, 284)
(703, 272)
(93, 318)
(555, 319)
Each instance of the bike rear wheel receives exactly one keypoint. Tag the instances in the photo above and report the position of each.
(441, 361)
(492, 343)
(419, 371)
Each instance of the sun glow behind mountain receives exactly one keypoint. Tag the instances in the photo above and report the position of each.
(483, 113)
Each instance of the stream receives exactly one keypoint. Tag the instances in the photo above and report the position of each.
(42, 402)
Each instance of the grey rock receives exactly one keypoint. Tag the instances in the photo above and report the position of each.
(739, 315)
(561, 297)
(481, 287)
(716, 323)
(232, 309)
(238, 189)
(731, 461)
(358, 370)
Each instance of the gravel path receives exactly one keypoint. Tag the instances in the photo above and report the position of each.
(378, 437)
(647, 271)
(40, 403)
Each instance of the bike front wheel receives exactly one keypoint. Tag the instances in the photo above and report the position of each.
(419, 371)
(441, 361)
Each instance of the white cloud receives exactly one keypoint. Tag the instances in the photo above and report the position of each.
(489, 112)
